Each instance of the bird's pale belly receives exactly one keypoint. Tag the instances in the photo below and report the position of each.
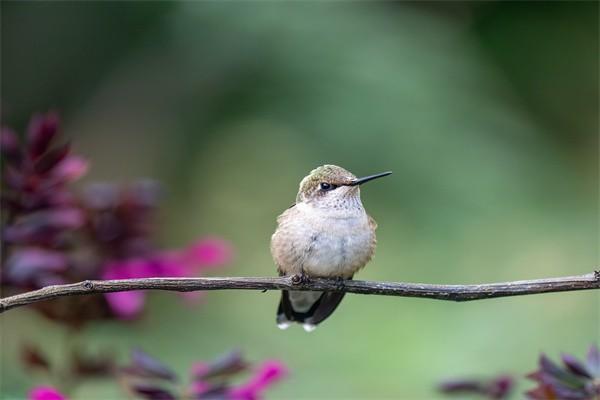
(323, 243)
(338, 249)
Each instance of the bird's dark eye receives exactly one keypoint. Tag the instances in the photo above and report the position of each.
(327, 186)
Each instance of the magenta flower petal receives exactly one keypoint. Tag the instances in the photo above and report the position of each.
(200, 368)
(132, 268)
(209, 252)
(175, 263)
(70, 169)
(199, 388)
(45, 393)
(126, 305)
(170, 264)
(268, 373)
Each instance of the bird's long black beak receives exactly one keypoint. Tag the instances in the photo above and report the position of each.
(360, 181)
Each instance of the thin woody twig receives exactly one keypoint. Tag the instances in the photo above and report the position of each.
(424, 290)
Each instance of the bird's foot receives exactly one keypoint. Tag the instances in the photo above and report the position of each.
(340, 283)
(300, 279)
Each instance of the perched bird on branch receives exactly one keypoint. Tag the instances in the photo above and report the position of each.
(325, 234)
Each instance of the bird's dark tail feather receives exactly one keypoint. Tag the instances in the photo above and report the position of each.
(319, 311)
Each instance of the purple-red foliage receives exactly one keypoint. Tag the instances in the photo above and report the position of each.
(52, 235)
(573, 380)
(148, 378)
(39, 210)
(497, 388)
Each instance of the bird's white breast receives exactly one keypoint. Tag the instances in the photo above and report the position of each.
(328, 243)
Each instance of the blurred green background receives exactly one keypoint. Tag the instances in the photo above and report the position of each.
(487, 112)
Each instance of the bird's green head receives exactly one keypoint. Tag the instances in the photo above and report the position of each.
(330, 185)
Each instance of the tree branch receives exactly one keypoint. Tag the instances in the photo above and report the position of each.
(424, 290)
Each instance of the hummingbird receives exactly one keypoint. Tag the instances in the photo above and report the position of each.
(326, 233)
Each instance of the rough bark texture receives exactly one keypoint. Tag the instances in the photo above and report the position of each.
(425, 290)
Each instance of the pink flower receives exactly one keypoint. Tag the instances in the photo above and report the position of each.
(268, 373)
(41, 212)
(200, 369)
(200, 388)
(210, 379)
(127, 305)
(208, 252)
(45, 393)
(70, 169)
(211, 252)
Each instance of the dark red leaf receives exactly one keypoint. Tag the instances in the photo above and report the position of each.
(565, 393)
(542, 392)
(28, 264)
(573, 382)
(575, 366)
(9, 203)
(144, 193)
(92, 366)
(593, 361)
(144, 365)
(216, 392)
(42, 129)
(101, 196)
(33, 357)
(460, 386)
(551, 369)
(224, 366)
(51, 158)
(13, 178)
(9, 146)
(500, 387)
(59, 218)
(75, 312)
(497, 388)
(153, 392)
(44, 226)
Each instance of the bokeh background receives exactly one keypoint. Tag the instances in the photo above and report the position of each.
(487, 112)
